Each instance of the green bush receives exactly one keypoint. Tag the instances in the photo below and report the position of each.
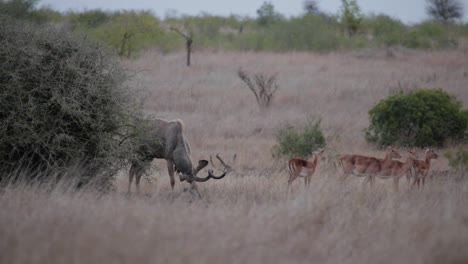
(294, 143)
(128, 32)
(458, 160)
(386, 30)
(428, 35)
(64, 103)
(424, 117)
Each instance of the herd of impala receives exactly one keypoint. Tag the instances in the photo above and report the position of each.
(167, 141)
(370, 167)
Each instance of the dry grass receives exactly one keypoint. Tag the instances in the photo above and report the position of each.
(249, 218)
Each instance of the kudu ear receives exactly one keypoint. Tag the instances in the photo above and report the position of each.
(201, 164)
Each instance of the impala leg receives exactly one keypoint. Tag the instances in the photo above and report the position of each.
(344, 176)
(416, 181)
(372, 181)
(308, 180)
(408, 178)
(291, 179)
(366, 180)
(396, 180)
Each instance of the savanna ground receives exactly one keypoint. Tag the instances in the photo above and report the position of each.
(247, 217)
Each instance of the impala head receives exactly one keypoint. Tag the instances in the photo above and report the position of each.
(318, 152)
(412, 153)
(430, 154)
(394, 154)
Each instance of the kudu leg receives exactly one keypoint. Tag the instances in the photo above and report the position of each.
(194, 188)
(170, 170)
(137, 180)
(136, 170)
(130, 180)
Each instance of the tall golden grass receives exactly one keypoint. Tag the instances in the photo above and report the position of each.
(248, 216)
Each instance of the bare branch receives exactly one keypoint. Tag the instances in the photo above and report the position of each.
(187, 37)
(263, 88)
(188, 42)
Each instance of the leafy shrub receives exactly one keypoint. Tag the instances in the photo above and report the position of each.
(63, 103)
(458, 159)
(126, 31)
(428, 35)
(385, 29)
(294, 143)
(419, 118)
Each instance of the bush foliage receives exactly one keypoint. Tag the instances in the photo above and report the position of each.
(424, 117)
(296, 143)
(458, 159)
(63, 103)
(130, 31)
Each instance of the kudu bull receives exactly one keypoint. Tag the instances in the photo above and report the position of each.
(167, 141)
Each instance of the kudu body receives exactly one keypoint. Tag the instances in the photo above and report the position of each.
(167, 141)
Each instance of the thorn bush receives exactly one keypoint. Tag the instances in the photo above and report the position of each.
(63, 102)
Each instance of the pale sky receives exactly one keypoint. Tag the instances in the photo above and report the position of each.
(408, 11)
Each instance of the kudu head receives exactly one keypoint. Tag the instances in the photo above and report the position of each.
(188, 172)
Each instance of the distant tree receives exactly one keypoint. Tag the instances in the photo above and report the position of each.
(444, 10)
(93, 18)
(188, 42)
(351, 16)
(311, 6)
(127, 31)
(19, 9)
(267, 14)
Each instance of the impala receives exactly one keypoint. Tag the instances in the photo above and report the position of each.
(422, 167)
(397, 169)
(167, 141)
(303, 168)
(360, 166)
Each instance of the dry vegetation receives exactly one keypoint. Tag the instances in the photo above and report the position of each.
(248, 218)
